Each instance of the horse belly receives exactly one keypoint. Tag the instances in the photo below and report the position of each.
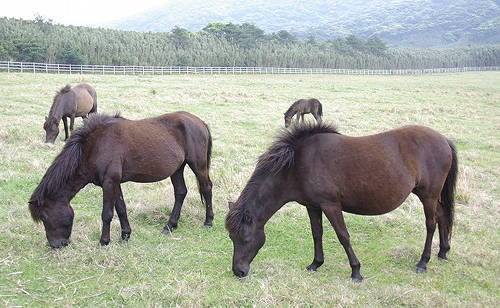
(152, 164)
(377, 192)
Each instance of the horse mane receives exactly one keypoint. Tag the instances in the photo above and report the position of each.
(279, 156)
(59, 93)
(66, 163)
(291, 109)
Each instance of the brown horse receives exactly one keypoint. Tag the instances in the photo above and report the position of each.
(330, 173)
(301, 107)
(108, 151)
(69, 102)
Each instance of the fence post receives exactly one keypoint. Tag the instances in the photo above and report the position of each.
(33, 68)
(21, 67)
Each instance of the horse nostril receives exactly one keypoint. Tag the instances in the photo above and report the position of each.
(239, 273)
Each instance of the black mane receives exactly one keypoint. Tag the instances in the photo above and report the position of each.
(66, 163)
(59, 93)
(279, 156)
(291, 110)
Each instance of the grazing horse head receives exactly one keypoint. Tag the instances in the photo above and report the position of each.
(247, 237)
(288, 120)
(57, 218)
(51, 127)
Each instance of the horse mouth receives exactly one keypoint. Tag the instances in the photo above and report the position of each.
(56, 244)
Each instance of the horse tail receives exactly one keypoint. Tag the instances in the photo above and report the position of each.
(320, 109)
(209, 159)
(448, 191)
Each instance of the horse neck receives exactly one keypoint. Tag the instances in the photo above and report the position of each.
(291, 112)
(270, 195)
(57, 109)
(71, 188)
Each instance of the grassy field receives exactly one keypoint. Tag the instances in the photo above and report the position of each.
(193, 265)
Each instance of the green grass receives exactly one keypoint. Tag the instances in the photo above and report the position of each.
(193, 266)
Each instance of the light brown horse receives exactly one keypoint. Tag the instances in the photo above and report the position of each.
(301, 107)
(108, 151)
(69, 102)
(330, 173)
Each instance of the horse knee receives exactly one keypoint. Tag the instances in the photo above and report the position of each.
(107, 216)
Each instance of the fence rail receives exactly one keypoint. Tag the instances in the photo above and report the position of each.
(31, 67)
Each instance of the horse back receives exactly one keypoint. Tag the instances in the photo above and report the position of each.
(373, 174)
(146, 150)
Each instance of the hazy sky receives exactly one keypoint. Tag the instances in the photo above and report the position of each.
(84, 12)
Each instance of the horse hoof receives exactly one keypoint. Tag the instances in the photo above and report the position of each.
(421, 270)
(104, 242)
(357, 279)
(125, 236)
(208, 224)
(312, 268)
(168, 229)
(442, 256)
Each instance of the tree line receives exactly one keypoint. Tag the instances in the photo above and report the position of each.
(219, 44)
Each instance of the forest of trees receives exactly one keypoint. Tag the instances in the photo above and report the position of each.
(218, 44)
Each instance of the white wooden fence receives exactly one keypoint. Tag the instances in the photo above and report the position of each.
(30, 67)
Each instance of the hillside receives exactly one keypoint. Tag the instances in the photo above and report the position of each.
(416, 23)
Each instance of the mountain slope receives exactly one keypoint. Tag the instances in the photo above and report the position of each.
(400, 22)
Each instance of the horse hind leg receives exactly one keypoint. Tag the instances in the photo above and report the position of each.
(180, 192)
(200, 169)
(444, 244)
(317, 117)
(430, 224)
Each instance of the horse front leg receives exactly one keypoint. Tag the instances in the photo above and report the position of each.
(65, 122)
(316, 217)
(111, 193)
(180, 192)
(72, 122)
(121, 210)
(430, 224)
(334, 214)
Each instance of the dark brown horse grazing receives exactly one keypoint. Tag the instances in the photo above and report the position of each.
(69, 102)
(330, 173)
(108, 151)
(301, 107)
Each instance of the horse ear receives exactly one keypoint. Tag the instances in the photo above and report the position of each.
(46, 118)
(230, 204)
